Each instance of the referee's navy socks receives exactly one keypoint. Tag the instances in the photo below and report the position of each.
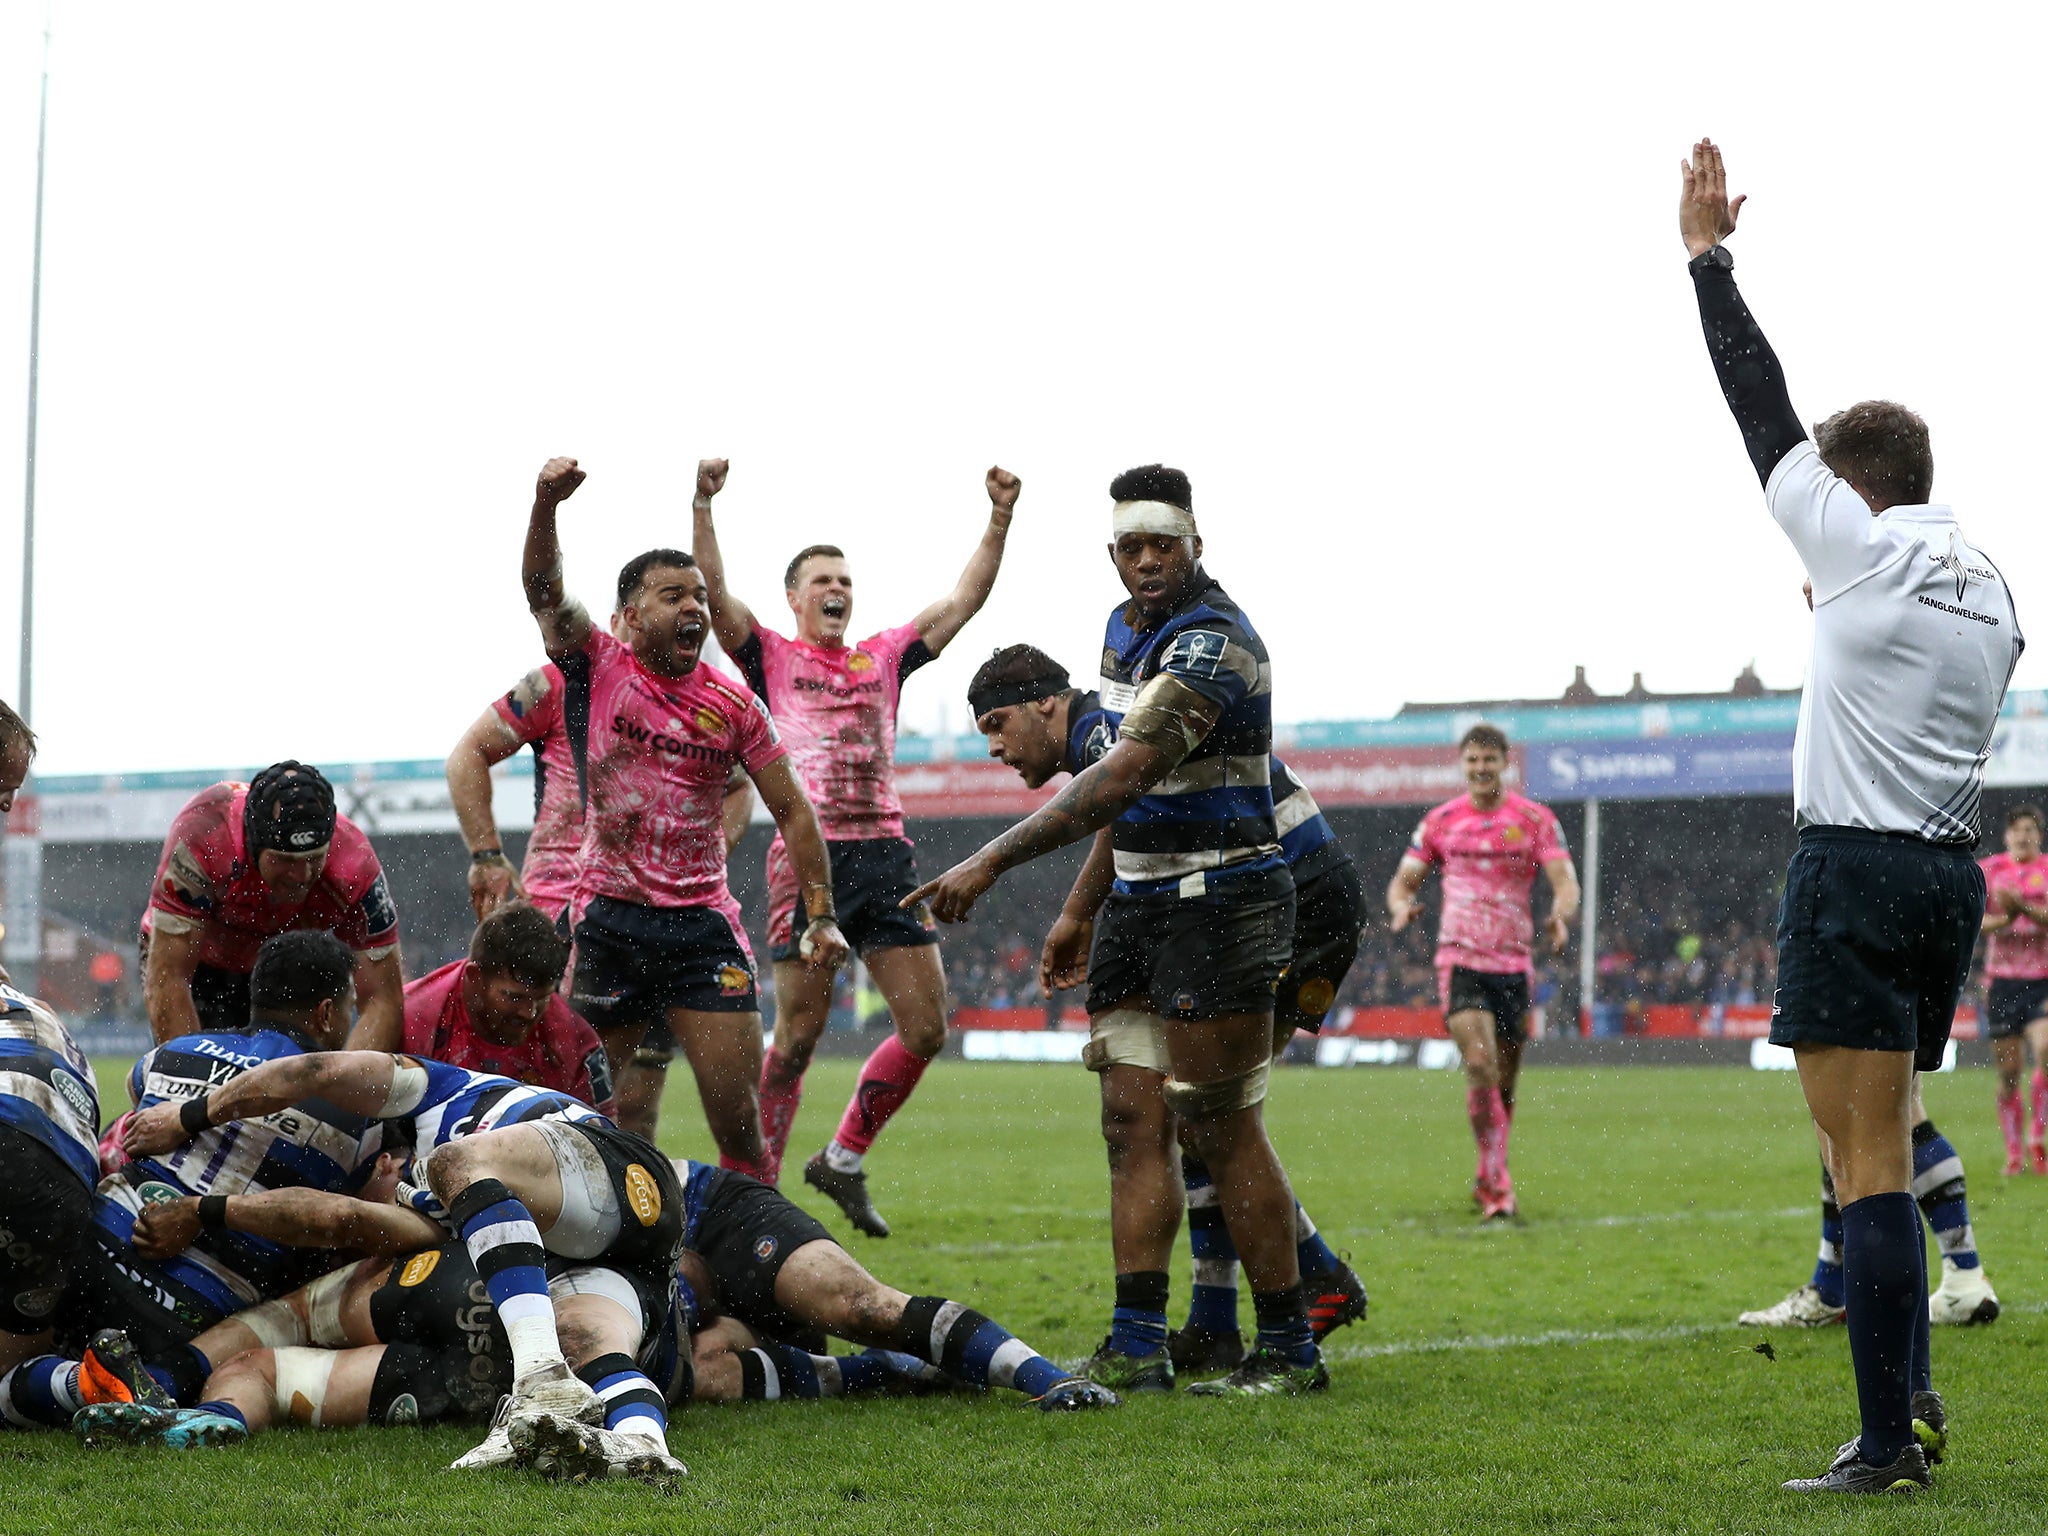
(1884, 1267)
(1138, 1325)
(1827, 1269)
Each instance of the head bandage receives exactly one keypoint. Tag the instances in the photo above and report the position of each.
(1152, 517)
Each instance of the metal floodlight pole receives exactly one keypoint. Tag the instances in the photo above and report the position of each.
(24, 698)
(1589, 914)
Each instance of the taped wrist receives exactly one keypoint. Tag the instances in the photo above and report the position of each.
(1207, 1101)
(192, 1115)
(408, 1087)
(213, 1213)
(1169, 717)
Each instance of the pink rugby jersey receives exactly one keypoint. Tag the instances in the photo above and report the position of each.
(535, 713)
(836, 707)
(2018, 952)
(658, 755)
(1488, 859)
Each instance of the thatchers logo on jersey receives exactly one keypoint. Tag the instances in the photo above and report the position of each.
(860, 661)
(643, 1195)
(733, 980)
(419, 1266)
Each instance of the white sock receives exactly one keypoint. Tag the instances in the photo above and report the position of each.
(839, 1159)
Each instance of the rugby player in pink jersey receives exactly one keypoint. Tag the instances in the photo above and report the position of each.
(1489, 842)
(243, 862)
(2016, 970)
(536, 712)
(835, 701)
(658, 937)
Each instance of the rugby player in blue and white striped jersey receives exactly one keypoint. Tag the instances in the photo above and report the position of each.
(1199, 910)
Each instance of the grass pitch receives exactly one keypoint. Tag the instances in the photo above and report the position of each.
(1579, 1371)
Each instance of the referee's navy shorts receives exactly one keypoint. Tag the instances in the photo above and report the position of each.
(1874, 941)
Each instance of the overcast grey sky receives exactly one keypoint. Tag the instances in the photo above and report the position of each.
(1402, 292)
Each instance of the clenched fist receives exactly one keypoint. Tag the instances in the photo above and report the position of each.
(710, 477)
(1002, 493)
(559, 478)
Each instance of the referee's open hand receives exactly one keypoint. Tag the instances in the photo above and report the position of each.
(1706, 217)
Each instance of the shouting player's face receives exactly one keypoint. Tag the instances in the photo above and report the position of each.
(666, 623)
(1483, 769)
(1021, 736)
(2023, 839)
(1156, 569)
(822, 600)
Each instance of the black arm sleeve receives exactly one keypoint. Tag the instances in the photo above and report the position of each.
(1751, 379)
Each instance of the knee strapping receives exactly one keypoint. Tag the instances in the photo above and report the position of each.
(301, 1393)
(1226, 1096)
(276, 1324)
(323, 1308)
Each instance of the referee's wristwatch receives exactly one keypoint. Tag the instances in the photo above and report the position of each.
(1714, 256)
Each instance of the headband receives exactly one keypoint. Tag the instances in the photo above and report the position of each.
(1152, 517)
(1000, 695)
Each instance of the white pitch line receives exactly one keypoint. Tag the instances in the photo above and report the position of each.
(1569, 1336)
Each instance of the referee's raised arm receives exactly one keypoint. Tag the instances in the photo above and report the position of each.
(1751, 379)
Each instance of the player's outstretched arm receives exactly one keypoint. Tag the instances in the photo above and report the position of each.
(564, 622)
(1064, 961)
(731, 620)
(1752, 381)
(1403, 892)
(380, 1003)
(938, 624)
(297, 1218)
(1091, 801)
(357, 1081)
(492, 881)
(822, 944)
(167, 980)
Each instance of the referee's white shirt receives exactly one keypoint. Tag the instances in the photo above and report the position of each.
(1914, 639)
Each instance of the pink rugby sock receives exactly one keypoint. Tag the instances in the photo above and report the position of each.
(782, 1090)
(2009, 1119)
(886, 1081)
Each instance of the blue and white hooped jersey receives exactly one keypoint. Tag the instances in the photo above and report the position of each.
(1307, 841)
(46, 1084)
(460, 1102)
(307, 1146)
(1214, 812)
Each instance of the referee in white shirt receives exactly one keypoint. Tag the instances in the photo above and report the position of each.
(1914, 640)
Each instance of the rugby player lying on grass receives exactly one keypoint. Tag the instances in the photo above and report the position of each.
(521, 1176)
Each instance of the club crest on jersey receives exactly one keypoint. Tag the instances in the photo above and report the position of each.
(419, 1266)
(643, 1195)
(764, 1250)
(733, 980)
(710, 721)
(1511, 834)
(38, 1304)
(860, 661)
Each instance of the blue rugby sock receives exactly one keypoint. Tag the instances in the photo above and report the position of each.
(1312, 1255)
(1827, 1269)
(225, 1411)
(42, 1392)
(1884, 1271)
(771, 1371)
(970, 1348)
(632, 1405)
(1213, 1303)
(504, 1244)
(1138, 1325)
(1944, 1201)
(1284, 1326)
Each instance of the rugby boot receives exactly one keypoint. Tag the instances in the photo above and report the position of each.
(1850, 1473)
(1802, 1309)
(1963, 1298)
(1076, 1395)
(573, 1452)
(1335, 1297)
(112, 1372)
(1204, 1351)
(495, 1449)
(1930, 1425)
(2015, 1163)
(2040, 1153)
(1124, 1373)
(1265, 1374)
(848, 1191)
(104, 1424)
